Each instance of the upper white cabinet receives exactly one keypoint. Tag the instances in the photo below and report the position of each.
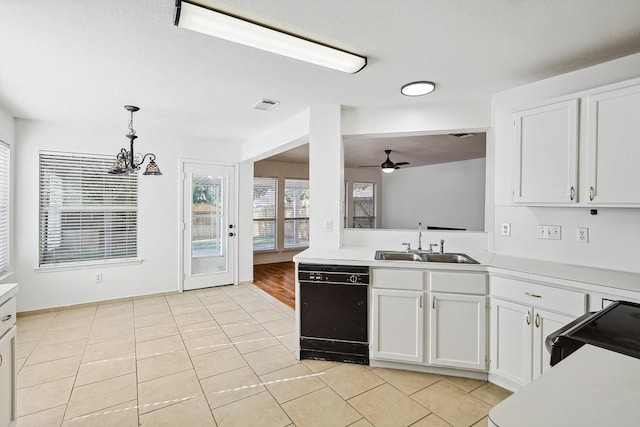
(613, 147)
(582, 150)
(546, 154)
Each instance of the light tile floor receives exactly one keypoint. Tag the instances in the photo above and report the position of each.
(215, 357)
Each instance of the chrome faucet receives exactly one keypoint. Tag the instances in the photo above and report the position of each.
(442, 246)
(419, 236)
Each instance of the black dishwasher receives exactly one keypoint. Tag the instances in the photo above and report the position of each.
(334, 312)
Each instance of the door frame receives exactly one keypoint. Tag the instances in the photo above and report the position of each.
(181, 220)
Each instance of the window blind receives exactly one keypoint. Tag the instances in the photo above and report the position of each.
(265, 192)
(296, 213)
(86, 214)
(4, 208)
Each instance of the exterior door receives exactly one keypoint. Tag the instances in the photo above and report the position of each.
(208, 236)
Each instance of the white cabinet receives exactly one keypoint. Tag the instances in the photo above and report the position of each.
(522, 315)
(613, 147)
(8, 411)
(546, 154)
(457, 330)
(398, 325)
(544, 324)
(511, 341)
(558, 162)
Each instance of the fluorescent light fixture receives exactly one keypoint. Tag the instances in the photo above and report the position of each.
(238, 30)
(418, 88)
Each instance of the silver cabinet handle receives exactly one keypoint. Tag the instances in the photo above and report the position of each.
(537, 320)
(7, 317)
(0, 360)
(591, 194)
(420, 301)
(533, 295)
(528, 317)
(572, 192)
(434, 302)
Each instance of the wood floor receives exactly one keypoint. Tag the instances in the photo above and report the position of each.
(278, 280)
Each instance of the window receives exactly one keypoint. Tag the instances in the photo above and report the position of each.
(265, 192)
(86, 214)
(4, 208)
(364, 205)
(296, 213)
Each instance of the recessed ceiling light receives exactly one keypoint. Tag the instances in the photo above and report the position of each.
(418, 88)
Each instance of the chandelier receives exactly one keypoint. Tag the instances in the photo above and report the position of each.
(128, 162)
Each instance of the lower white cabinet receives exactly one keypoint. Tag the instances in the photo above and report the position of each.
(518, 351)
(8, 410)
(457, 330)
(397, 325)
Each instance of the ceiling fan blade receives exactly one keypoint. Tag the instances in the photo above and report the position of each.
(369, 166)
(402, 163)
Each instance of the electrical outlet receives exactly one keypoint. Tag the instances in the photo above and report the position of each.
(550, 232)
(582, 235)
(328, 225)
(98, 278)
(505, 229)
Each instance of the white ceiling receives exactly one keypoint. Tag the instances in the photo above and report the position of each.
(83, 60)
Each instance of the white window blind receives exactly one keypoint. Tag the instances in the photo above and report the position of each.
(4, 208)
(86, 214)
(296, 213)
(265, 191)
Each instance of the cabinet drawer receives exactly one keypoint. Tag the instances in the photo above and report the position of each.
(391, 278)
(7, 315)
(466, 283)
(537, 295)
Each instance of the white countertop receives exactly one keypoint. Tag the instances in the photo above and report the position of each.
(488, 261)
(593, 387)
(7, 291)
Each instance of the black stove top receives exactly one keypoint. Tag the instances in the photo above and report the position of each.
(615, 328)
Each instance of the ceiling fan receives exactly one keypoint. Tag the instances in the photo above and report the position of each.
(388, 166)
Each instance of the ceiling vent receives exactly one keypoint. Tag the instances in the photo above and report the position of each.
(265, 104)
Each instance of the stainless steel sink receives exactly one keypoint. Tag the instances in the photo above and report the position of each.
(450, 258)
(399, 256)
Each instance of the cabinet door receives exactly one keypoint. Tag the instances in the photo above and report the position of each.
(614, 147)
(458, 331)
(398, 325)
(546, 154)
(8, 413)
(511, 341)
(545, 323)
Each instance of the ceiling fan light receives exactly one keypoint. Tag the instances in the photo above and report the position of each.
(418, 88)
(388, 169)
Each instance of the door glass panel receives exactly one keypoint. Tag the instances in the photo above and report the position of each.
(208, 224)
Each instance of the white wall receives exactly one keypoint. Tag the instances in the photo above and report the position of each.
(614, 233)
(442, 195)
(158, 215)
